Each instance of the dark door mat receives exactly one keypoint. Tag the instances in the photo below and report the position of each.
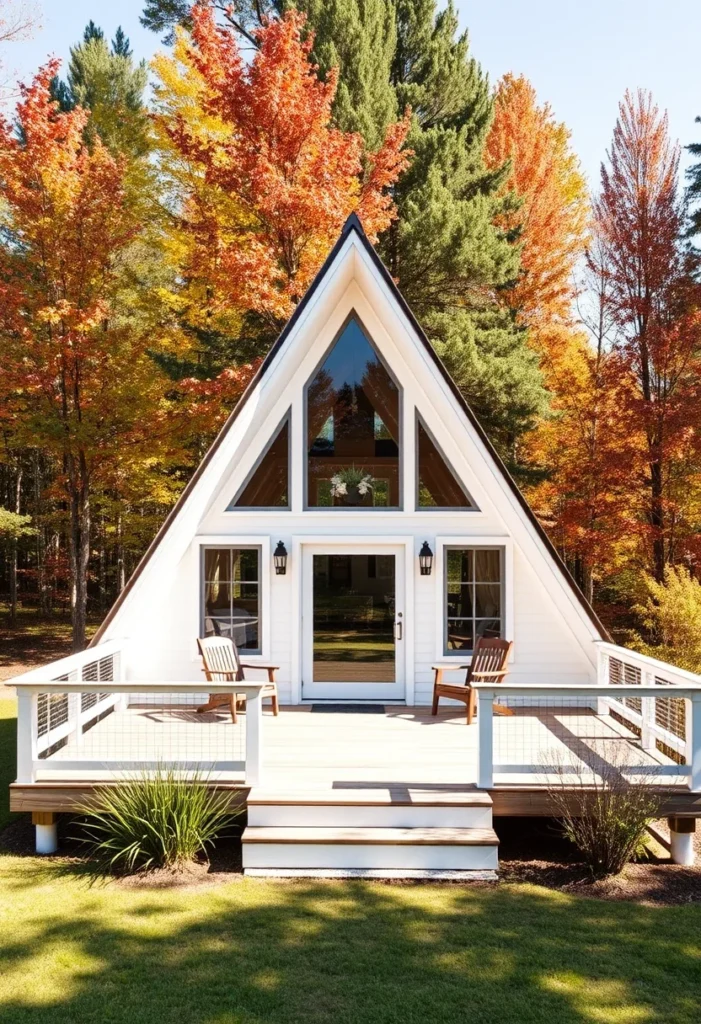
(350, 709)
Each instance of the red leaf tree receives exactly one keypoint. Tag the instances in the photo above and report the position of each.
(653, 298)
(259, 141)
(79, 384)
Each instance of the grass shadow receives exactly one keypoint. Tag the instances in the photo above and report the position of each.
(343, 952)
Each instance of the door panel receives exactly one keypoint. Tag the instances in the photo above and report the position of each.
(353, 628)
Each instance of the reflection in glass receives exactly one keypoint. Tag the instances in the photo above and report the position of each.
(354, 608)
(473, 598)
(353, 428)
(438, 487)
(268, 486)
(231, 595)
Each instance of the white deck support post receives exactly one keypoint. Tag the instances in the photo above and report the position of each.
(485, 723)
(693, 742)
(254, 737)
(26, 734)
(681, 836)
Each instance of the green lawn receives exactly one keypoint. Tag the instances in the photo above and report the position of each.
(265, 952)
(8, 765)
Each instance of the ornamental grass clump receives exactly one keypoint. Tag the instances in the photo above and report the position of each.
(155, 820)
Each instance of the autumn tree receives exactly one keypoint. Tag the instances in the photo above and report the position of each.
(653, 299)
(78, 382)
(260, 185)
(551, 219)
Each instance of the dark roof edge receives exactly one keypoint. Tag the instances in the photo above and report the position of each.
(352, 224)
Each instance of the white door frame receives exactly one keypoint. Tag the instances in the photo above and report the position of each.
(303, 548)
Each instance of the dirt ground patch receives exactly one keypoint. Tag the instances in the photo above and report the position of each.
(533, 850)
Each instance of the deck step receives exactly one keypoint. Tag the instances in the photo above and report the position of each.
(398, 807)
(401, 850)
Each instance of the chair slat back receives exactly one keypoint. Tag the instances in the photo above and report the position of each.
(220, 656)
(490, 655)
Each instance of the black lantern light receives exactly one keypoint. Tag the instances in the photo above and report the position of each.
(426, 559)
(280, 559)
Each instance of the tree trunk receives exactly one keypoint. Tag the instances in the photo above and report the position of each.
(79, 548)
(14, 552)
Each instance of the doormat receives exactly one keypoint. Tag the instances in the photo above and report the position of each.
(350, 709)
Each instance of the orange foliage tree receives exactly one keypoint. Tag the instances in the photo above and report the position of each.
(552, 217)
(272, 179)
(79, 385)
(653, 298)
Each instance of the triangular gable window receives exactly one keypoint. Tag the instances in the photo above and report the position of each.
(268, 485)
(353, 427)
(437, 484)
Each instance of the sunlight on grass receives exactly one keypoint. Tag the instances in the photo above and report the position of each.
(604, 1002)
(8, 745)
(253, 951)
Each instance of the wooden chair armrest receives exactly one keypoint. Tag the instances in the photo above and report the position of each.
(490, 675)
(449, 668)
(260, 664)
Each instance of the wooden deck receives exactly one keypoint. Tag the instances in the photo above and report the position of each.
(403, 750)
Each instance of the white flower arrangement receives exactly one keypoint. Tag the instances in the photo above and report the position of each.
(351, 477)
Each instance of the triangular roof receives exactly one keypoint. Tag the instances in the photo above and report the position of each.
(352, 225)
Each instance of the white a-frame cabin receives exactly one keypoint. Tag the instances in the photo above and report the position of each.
(353, 526)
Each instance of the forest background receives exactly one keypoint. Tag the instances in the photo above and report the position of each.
(159, 223)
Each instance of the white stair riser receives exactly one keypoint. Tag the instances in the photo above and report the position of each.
(342, 855)
(394, 816)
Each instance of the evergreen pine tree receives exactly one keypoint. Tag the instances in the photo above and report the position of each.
(107, 82)
(359, 37)
(693, 192)
(444, 249)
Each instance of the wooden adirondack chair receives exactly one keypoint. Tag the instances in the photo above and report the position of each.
(222, 664)
(489, 660)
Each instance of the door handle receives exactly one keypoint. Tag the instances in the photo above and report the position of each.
(398, 631)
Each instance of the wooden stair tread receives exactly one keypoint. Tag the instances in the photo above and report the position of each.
(399, 796)
(368, 836)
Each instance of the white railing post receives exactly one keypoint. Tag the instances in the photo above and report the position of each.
(485, 722)
(602, 677)
(27, 726)
(254, 737)
(647, 713)
(693, 742)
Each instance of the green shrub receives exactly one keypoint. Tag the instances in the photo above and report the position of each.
(155, 820)
(605, 816)
(672, 618)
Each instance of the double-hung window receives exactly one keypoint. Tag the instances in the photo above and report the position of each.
(474, 596)
(231, 595)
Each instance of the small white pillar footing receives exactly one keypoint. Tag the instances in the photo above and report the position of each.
(46, 832)
(682, 834)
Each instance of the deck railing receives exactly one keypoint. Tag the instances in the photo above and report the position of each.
(625, 721)
(77, 718)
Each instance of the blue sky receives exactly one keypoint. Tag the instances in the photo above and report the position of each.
(580, 56)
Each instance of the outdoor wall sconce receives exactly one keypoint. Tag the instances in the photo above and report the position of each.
(280, 559)
(426, 559)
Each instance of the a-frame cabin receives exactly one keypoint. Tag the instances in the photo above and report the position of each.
(353, 526)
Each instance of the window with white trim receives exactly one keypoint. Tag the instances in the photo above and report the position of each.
(231, 595)
(473, 596)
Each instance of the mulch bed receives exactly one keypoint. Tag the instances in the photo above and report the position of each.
(532, 851)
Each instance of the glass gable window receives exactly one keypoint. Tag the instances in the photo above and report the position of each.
(268, 486)
(353, 432)
(231, 595)
(473, 597)
(437, 484)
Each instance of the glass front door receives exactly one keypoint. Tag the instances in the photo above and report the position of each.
(355, 627)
